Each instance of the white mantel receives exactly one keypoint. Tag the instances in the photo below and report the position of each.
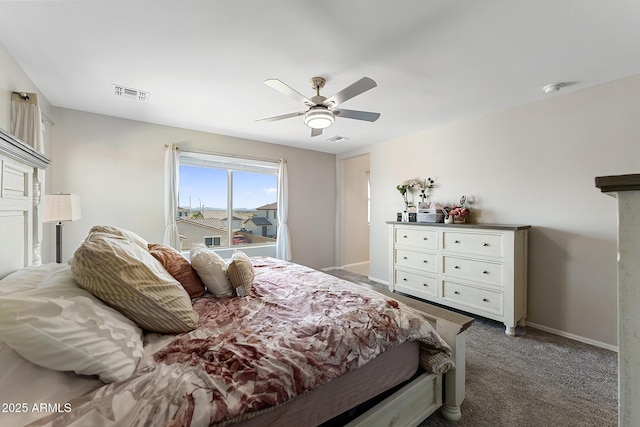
(626, 188)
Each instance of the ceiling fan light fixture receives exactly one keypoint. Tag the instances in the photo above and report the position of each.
(319, 118)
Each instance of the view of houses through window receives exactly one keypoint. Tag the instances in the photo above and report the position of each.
(225, 202)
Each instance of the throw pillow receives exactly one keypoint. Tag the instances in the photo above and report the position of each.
(130, 279)
(122, 232)
(212, 270)
(179, 267)
(241, 273)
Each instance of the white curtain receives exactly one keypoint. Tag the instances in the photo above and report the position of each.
(27, 126)
(283, 244)
(171, 159)
(26, 120)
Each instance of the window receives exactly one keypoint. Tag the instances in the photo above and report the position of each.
(226, 201)
(212, 241)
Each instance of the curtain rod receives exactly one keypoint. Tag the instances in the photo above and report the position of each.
(25, 97)
(22, 95)
(237, 156)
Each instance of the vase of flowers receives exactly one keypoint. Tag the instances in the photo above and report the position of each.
(404, 189)
(461, 212)
(425, 186)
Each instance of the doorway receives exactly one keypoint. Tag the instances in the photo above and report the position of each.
(354, 214)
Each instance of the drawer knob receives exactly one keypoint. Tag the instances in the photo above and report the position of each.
(425, 238)
(457, 266)
(425, 261)
(456, 241)
(425, 285)
(485, 244)
(405, 279)
(456, 292)
(485, 272)
(404, 237)
(485, 300)
(404, 257)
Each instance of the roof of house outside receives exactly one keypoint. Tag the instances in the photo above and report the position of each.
(271, 207)
(222, 215)
(259, 221)
(212, 223)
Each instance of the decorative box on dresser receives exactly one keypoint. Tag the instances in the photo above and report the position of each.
(477, 268)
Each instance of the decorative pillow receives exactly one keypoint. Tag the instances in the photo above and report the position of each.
(122, 232)
(59, 326)
(240, 272)
(211, 269)
(130, 279)
(179, 267)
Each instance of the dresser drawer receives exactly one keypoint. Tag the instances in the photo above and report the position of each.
(416, 284)
(424, 239)
(418, 260)
(474, 244)
(475, 298)
(476, 270)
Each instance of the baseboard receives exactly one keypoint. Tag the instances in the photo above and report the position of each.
(382, 282)
(355, 264)
(573, 336)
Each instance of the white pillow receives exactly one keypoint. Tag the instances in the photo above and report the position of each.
(62, 327)
(20, 281)
(212, 270)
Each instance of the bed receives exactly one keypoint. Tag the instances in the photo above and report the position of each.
(301, 348)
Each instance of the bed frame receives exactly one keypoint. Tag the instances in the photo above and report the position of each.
(19, 199)
(408, 406)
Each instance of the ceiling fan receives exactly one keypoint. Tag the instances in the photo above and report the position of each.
(322, 111)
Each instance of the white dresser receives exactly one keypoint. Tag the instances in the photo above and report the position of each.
(477, 268)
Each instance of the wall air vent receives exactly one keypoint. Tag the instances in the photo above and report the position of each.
(127, 92)
(337, 138)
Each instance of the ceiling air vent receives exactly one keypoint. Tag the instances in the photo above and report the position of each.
(127, 92)
(337, 138)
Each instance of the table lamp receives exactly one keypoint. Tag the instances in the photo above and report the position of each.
(60, 208)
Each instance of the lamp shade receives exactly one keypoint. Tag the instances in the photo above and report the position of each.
(61, 207)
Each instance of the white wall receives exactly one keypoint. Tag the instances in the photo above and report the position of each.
(532, 165)
(116, 166)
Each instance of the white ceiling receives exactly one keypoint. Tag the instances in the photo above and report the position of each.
(204, 61)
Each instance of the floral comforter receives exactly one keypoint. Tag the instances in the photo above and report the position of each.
(298, 329)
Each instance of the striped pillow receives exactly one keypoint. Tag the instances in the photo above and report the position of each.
(122, 232)
(240, 272)
(131, 280)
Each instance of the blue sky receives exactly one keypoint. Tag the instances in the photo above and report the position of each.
(208, 187)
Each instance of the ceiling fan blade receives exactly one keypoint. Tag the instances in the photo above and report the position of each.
(288, 91)
(362, 85)
(358, 115)
(316, 132)
(283, 116)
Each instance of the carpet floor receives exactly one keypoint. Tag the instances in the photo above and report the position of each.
(533, 379)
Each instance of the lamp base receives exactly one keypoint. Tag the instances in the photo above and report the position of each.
(59, 243)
